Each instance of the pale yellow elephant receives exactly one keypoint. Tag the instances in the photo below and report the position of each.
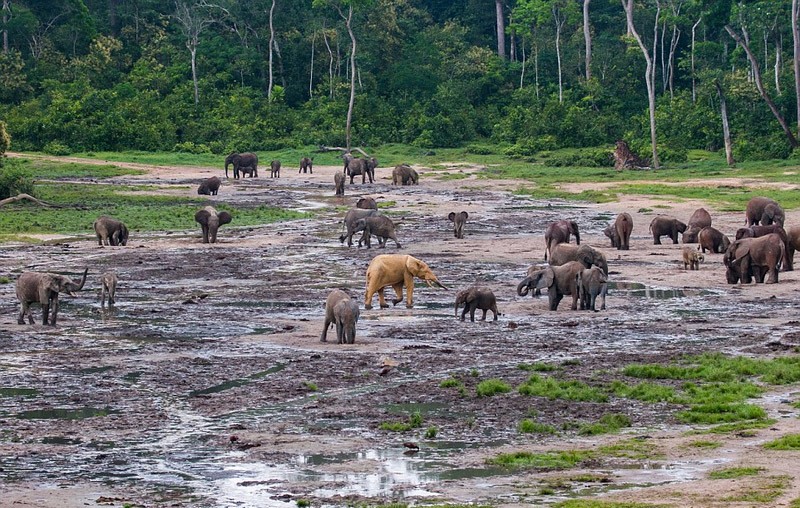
(396, 270)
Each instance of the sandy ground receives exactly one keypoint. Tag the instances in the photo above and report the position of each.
(207, 361)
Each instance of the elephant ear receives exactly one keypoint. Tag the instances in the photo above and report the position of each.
(202, 216)
(465, 215)
(742, 251)
(545, 278)
(224, 218)
(451, 216)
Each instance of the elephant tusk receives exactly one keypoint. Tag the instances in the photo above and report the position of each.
(439, 284)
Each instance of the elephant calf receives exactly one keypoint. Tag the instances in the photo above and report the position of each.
(338, 181)
(380, 226)
(692, 258)
(110, 231)
(592, 282)
(209, 186)
(306, 164)
(342, 311)
(713, 240)
(367, 203)
(476, 298)
(458, 220)
(663, 225)
(44, 288)
(275, 169)
(700, 219)
(559, 232)
(210, 220)
(108, 285)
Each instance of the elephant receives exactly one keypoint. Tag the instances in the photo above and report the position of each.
(754, 257)
(342, 311)
(367, 203)
(692, 258)
(404, 175)
(44, 287)
(350, 220)
(559, 281)
(339, 181)
(763, 210)
(458, 220)
(275, 169)
(564, 253)
(713, 240)
(379, 225)
(620, 231)
(110, 231)
(700, 219)
(246, 162)
(792, 244)
(592, 282)
(210, 220)
(396, 270)
(476, 298)
(664, 225)
(347, 158)
(108, 285)
(209, 186)
(306, 163)
(756, 231)
(558, 232)
(363, 167)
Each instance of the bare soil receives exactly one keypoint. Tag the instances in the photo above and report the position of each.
(207, 385)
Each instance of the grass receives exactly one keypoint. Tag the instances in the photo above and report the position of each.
(451, 382)
(490, 387)
(537, 367)
(647, 392)
(589, 503)
(558, 389)
(766, 491)
(607, 424)
(567, 459)
(414, 422)
(788, 442)
(734, 472)
(528, 426)
(705, 444)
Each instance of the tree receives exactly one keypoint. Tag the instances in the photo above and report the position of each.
(796, 57)
(271, 48)
(587, 38)
(192, 20)
(501, 31)
(6, 18)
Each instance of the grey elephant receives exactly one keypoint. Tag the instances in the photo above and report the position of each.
(476, 298)
(458, 220)
(342, 311)
(756, 231)
(750, 258)
(404, 175)
(586, 254)
(108, 286)
(338, 181)
(363, 167)
(700, 219)
(209, 186)
(349, 222)
(620, 232)
(764, 211)
(592, 282)
(367, 203)
(210, 220)
(559, 232)
(110, 231)
(792, 244)
(44, 288)
(244, 163)
(275, 169)
(663, 225)
(347, 158)
(306, 164)
(380, 226)
(559, 281)
(713, 240)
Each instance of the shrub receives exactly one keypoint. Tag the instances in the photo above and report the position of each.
(5, 141)
(56, 148)
(190, 147)
(14, 181)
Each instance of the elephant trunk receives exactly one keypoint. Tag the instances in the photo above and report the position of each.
(524, 286)
(439, 284)
(71, 288)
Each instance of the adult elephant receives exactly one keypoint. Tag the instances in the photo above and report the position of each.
(476, 298)
(758, 231)
(713, 240)
(210, 220)
(363, 167)
(246, 162)
(110, 231)
(765, 211)
(559, 281)
(792, 244)
(585, 254)
(209, 186)
(404, 175)
(664, 225)
(750, 258)
(559, 232)
(620, 232)
(44, 288)
(396, 270)
(350, 222)
(700, 219)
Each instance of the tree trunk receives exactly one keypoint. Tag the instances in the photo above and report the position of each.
(778, 65)
(501, 31)
(587, 38)
(348, 23)
(193, 51)
(726, 130)
(673, 45)
(311, 73)
(760, 86)
(559, 26)
(271, 46)
(27, 197)
(6, 17)
(513, 47)
(649, 73)
(694, 76)
(796, 57)
(330, 63)
(524, 61)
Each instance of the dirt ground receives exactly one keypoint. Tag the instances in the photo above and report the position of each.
(207, 385)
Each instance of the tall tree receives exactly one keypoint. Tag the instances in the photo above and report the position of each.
(6, 18)
(271, 47)
(796, 55)
(192, 20)
(501, 30)
(587, 39)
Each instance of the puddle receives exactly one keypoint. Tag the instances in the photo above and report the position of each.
(64, 414)
(235, 383)
(639, 290)
(18, 392)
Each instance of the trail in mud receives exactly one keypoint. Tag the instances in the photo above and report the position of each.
(207, 385)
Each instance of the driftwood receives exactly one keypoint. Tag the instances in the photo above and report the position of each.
(21, 197)
(624, 158)
(343, 150)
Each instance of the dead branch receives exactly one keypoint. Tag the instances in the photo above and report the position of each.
(20, 197)
(342, 149)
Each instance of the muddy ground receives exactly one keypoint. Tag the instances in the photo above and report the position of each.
(207, 384)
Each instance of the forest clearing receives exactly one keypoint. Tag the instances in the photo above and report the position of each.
(207, 385)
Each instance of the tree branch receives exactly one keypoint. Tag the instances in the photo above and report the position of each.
(23, 196)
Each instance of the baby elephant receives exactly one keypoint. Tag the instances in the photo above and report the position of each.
(108, 283)
(592, 282)
(209, 186)
(458, 221)
(476, 298)
(342, 311)
(306, 164)
(380, 226)
(692, 258)
(275, 169)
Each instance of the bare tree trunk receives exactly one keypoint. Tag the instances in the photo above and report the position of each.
(796, 56)
(673, 45)
(6, 17)
(524, 61)
(536, 68)
(726, 130)
(330, 63)
(311, 73)
(760, 86)
(559, 20)
(778, 65)
(649, 72)
(501, 31)
(694, 76)
(271, 46)
(193, 51)
(587, 38)
(280, 63)
(513, 50)
(348, 23)
(664, 76)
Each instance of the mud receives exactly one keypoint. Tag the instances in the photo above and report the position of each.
(206, 385)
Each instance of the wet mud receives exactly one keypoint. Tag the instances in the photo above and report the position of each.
(206, 385)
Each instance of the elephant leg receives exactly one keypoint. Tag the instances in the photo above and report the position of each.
(464, 312)
(472, 306)
(339, 332)
(656, 239)
(54, 311)
(575, 299)
(382, 299)
(324, 336)
(398, 291)
(368, 297)
(483, 318)
(46, 313)
(24, 308)
(494, 311)
(554, 297)
(773, 274)
(409, 283)
(675, 237)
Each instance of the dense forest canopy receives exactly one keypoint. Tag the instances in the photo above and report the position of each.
(223, 75)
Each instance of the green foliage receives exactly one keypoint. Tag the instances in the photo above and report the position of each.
(607, 424)
(558, 389)
(414, 422)
(545, 460)
(648, 392)
(788, 442)
(490, 387)
(451, 383)
(5, 141)
(13, 181)
(734, 472)
(713, 413)
(537, 367)
(431, 432)
(528, 426)
(56, 148)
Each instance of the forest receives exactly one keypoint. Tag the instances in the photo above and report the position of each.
(213, 76)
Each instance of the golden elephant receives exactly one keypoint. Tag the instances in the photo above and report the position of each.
(396, 270)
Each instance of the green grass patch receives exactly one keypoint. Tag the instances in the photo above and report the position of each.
(490, 387)
(635, 449)
(431, 432)
(451, 382)
(766, 491)
(543, 460)
(41, 169)
(607, 424)
(705, 444)
(716, 367)
(740, 427)
(528, 426)
(646, 391)
(718, 412)
(537, 367)
(734, 472)
(588, 503)
(789, 442)
(414, 422)
(558, 389)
